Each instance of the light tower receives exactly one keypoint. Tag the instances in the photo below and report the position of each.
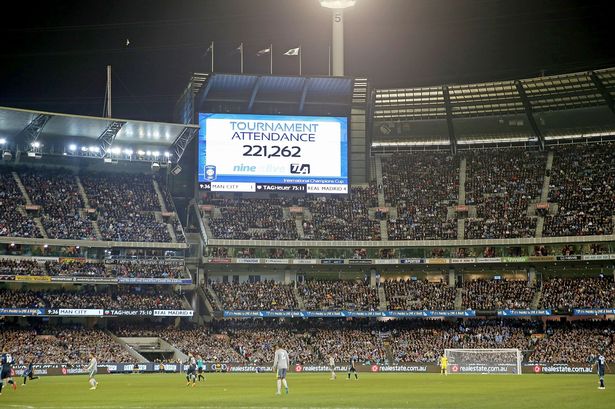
(337, 34)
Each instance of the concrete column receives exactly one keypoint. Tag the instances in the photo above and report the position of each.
(451, 277)
(289, 277)
(531, 276)
(372, 278)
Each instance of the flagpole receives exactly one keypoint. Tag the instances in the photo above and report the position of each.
(299, 60)
(241, 56)
(212, 56)
(271, 59)
(329, 60)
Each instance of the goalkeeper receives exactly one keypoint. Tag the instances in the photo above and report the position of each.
(443, 365)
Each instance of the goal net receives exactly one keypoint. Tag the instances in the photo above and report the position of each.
(484, 361)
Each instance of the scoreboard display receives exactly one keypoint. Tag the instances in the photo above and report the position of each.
(273, 153)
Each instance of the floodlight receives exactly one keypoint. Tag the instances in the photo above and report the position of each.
(94, 149)
(156, 153)
(337, 4)
(85, 148)
(167, 154)
(140, 153)
(336, 66)
(2, 141)
(128, 152)
(72, 147)
(36, 144)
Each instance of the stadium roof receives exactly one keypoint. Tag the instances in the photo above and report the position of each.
(259, 93)
(20, 127)
(568, 106)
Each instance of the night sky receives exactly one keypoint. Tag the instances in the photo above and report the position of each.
(54, 54)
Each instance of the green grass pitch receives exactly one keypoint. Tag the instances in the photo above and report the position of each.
(409, 391)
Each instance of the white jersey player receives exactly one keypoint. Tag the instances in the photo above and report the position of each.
(332, 367)
(92, 369)
(281, 363)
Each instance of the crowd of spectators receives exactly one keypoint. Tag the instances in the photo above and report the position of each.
(422, 187)
(125, 204)
(587, 292)
(78, 268)
(425, 341)
(255, 342)
(261, 295)
(252, 341)
(142, 269)
(213, 345)
(420, 191)
(51, 268)
(343, 218)
(57, 192)
(583, 187)
(338, 295)
(14, 221)
(57, 345)
(361, 342)
(502, 184)
(257, 219)
(497, 294)
(575, 342)
(120, 298)
(418, 295)
(409, 294)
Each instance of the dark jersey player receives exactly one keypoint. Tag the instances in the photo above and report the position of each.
(6, 374)
(601, 364)
(191, 372)
(29, 374)
(352, 367)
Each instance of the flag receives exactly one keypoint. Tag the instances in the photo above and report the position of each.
(210, 48)
(262, 52)
(239, 48)
(293, 51)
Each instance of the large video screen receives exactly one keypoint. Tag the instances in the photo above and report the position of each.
(273, 153)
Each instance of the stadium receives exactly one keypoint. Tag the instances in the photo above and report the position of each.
(452, 243)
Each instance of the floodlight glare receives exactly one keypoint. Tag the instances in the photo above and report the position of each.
(156, 153)
(36, 144)
(72, 147)
(167, 154)
(148, 153)
(140, 153)
(128, 152)
(84, 148)
(337, 4)
(2, 141)
(115, 151)
(94, 149)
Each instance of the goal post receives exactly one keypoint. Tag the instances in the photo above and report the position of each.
(484, 361)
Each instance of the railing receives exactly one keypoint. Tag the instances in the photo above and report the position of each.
(411, 243)
(92, 243)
